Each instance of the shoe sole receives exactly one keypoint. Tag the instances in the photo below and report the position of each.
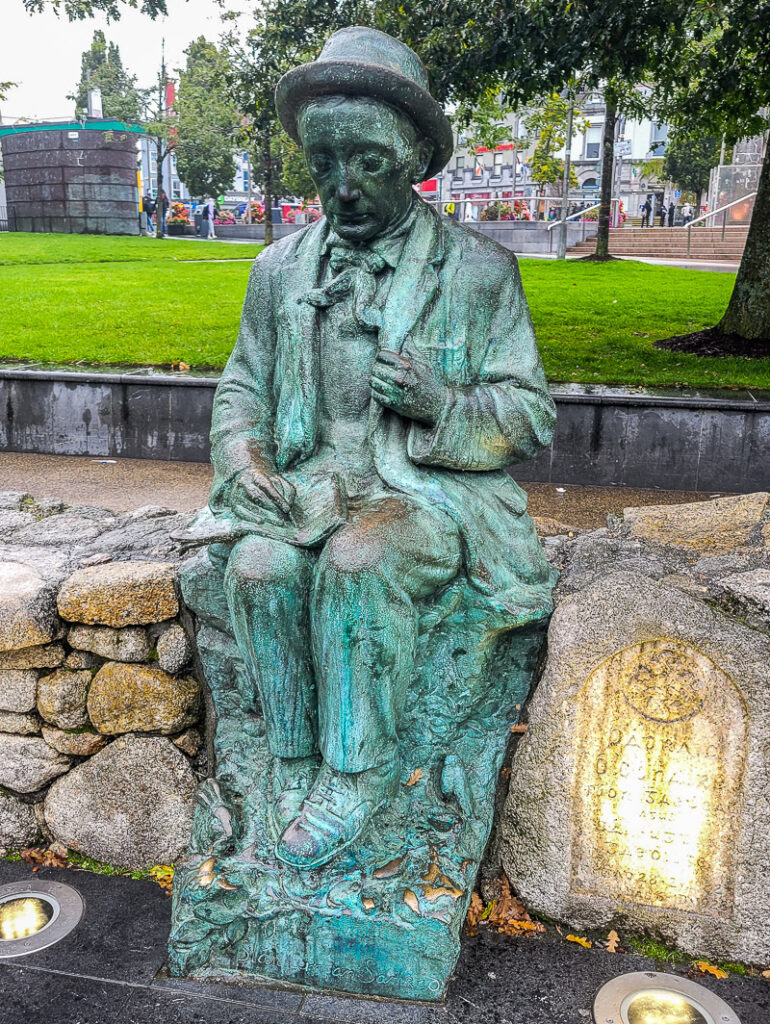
(310, 865)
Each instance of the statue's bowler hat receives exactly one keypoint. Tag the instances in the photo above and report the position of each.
(364, 62)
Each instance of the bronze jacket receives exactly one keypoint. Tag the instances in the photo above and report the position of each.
(457, 298)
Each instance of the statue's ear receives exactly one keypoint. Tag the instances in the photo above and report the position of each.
(423, 155)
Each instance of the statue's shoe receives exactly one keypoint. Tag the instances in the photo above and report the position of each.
(293, 779)
(335, 813)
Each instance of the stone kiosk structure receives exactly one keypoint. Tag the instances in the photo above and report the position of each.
(371, 595)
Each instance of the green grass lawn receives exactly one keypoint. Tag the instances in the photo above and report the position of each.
(22, 248)
(138, 300)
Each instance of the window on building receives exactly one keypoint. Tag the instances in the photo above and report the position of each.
(176, 189)
(153, 161)
(478, 167)
(459, 164)
(589, 183)
(173, 164)
(593, 142)
(497, 162)
(658, 138)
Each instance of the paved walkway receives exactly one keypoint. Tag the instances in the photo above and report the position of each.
(110, 971)
(125, 484)
(721, 266)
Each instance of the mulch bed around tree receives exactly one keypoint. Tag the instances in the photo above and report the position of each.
(712, 342)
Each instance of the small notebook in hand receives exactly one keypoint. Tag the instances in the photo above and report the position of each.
(319, 508)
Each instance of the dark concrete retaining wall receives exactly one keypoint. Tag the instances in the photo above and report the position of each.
(704, 441)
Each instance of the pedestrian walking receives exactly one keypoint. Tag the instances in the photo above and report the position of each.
(671, 214)
(663, 214)
(687, 212)
(211, 207)
(148, 208)
(646, 211)
(162, 210)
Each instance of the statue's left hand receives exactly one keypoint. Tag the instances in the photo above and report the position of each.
(411, 387)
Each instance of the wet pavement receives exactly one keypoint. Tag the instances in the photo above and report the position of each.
(110, 970)
(126, 484)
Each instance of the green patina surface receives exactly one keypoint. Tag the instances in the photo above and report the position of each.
(372, 596)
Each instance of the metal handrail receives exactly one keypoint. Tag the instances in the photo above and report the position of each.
(580, 213)
(713, 213)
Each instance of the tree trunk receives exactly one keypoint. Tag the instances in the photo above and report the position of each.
(608, 172)
(267, 156)
(748, 312)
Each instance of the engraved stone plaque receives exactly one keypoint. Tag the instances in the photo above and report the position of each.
(640, 794)
(661, 745)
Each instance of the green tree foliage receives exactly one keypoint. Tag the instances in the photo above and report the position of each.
(483, 122)
(207, 121)
(530, 48)
(295, 177)
(284, 33)
(160, 123)
(79, 10)
(689, 159)
(548, 120)
(101, 68)
(720, 81)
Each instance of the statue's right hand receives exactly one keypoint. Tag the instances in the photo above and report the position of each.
(257, 495)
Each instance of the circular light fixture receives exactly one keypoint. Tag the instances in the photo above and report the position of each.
(36, 914)
(647, 997)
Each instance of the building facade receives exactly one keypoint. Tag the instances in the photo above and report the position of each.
(477, 176)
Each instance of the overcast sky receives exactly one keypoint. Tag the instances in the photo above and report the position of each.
(42, 52)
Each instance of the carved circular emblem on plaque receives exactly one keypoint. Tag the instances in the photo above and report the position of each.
(662, 681)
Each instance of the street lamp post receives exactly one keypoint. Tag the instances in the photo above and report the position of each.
(561, 252)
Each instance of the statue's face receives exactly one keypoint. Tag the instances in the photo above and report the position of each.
(364, 158)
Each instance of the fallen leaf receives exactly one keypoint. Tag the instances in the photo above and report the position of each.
(389, 869)
(507, 909)
(766, 974)
(204, 881)
(163, 874)
(489, 908)
(505, 773)
(207, 866)
(612, 942)
(521, 727)
(580, 941)
(411, 900)
(368, 903)
(415, 777)
(43, 857)
(183, 366)
(475, 911)
(706, 968)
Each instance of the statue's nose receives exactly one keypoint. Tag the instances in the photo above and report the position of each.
(347, 191)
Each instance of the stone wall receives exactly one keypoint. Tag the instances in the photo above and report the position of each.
(100, 711)
(77, 178)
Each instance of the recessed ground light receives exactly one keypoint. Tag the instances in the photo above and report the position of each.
(645, 997)
(36, 914)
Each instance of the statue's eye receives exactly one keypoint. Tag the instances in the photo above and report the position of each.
(372, 162)
(320, 163)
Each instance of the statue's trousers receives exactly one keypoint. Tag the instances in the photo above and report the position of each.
(329, 636)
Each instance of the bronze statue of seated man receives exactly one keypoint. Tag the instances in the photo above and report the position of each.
(385, 375)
